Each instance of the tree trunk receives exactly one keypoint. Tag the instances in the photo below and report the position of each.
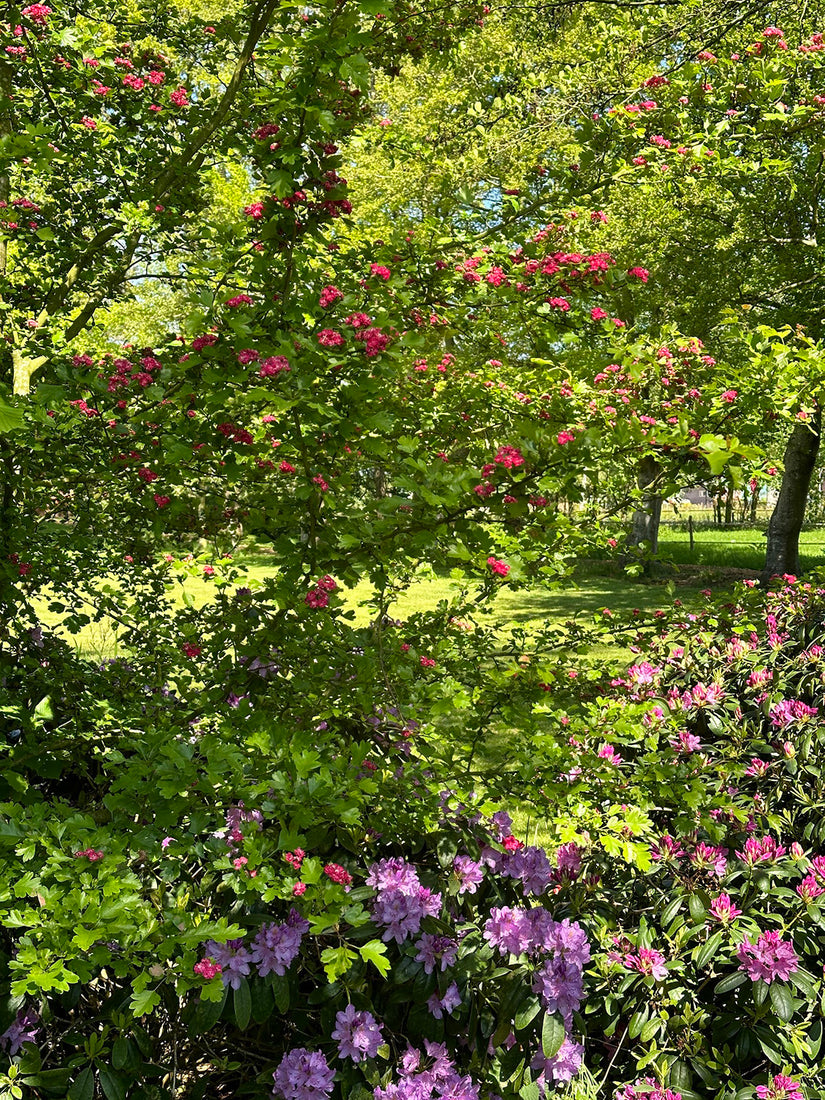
(645, 527)
(729, 506)
(786, 521)
(754, 503)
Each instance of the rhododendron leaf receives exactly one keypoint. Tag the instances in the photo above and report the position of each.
(732, 981)
(83, 1086)
(671, 910)
(243, 1005)
(698, 909)
(552, 1034)
(782, 1001)
(651, 1028)
(527, 1012)
(637, 1021)
(112, 1084)
(767, 1041)
(760, 992)
(703, 954)
(803, 982)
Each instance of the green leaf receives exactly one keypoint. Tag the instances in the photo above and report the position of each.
(528, 1012)
(702, 955)
(113, 1085)
(698, 912)
(120, 1052)
(376, 952)
(280, 990)
(781, 1000)
(552, 1034)
(83, 1086)
(44, 710)
(10, 418)
(243, 1005)
(144, 1001)
(732, 981)
(337, 962)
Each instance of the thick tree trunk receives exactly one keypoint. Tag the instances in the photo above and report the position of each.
(786, 520)
(645, 526)
(729, 507)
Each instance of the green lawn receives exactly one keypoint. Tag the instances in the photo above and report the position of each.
(579, 599)
(742, 548)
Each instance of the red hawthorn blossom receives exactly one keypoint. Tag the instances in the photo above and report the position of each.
(337, 874)
(273, 366)
(329, 338)
(329, 295)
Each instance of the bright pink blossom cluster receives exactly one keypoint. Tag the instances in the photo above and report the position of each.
(318, 596)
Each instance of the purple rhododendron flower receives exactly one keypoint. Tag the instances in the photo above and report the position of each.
(510, 930)
(438, 1006)
(469, 874)
(436, 951)
(765, 850)
(648, 1089)
(435, 1078)
(790, 710)
(233, 959)
(358, 1034)
(303, 1075)
(276, 946)
(769, 958)
(649, 962)
(23, 1029)
(401, 902)
(559, 985)
(559, 1069)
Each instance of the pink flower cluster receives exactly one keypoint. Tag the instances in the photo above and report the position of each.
(92, 854)
(318, 596)
(499, 567)
(769, 958)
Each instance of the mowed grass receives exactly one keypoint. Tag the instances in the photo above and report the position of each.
(715, 548)
(739, 548)
(579, 600)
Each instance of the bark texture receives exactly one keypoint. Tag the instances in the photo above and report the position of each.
(645, 526)
(786, 521)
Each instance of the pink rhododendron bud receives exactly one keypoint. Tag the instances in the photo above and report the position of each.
(723, 909)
